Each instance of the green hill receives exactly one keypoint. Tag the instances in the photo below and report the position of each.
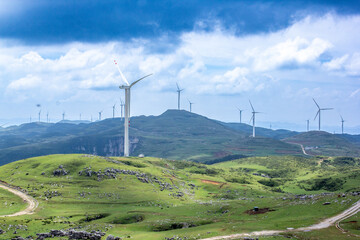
(324, 143)
(151, 198)
(174, 135)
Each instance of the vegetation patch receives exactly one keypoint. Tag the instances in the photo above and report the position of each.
(328, 184)
(133, 164)
(130, 219)
(93, 217)
(167, 226)
(269, 183)
(258, 211)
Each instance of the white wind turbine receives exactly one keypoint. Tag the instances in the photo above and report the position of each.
(100, 114)
(240, 111)
(122, 107)
(319, 112)
(127, 88)
(178, 91)
(114, 110)
(253, 118)
(342, 125)
(190, 103)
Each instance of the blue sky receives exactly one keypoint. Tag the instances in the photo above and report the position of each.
(279, 54)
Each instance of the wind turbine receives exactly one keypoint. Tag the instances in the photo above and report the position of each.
(47, 117)
(191, 103)
(121, 106)
(253, 117)
(342, 125)
(307, 125)
(240, 111)
(39, 114)
(178, 91)
(100, 114)
(63, 116)
(127, 88)
(319, 111)
(114, 110)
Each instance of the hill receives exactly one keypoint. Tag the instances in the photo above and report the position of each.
(324, 143)
(174, 135)
(151, 198)
(264, 132)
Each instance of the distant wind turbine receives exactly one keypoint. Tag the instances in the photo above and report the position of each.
(178, 91)
(190, 103)
(253, 117)
(114, 110)
(63, 116)
(307, 125)
(240, 111)
(121, 106)
(47, 117)
(319, 112)
(100, 114)
(342, 125)
(39, 115)
(127, 88)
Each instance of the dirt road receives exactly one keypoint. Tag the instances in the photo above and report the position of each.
(355, 208)
(32, 202)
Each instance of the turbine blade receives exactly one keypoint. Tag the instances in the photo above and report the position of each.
(139, 80)
(327, 109)
(121, 74)
(177, 85)
(251, 106)
(316, 103)
(251, 119)
(317, 114)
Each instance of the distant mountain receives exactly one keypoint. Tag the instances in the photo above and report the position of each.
(355, 139)
(174, 134)
(324, 143)
(264, 132)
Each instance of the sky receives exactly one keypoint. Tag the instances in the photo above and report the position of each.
(58, 57)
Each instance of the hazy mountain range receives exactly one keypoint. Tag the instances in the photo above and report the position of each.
(174, 134)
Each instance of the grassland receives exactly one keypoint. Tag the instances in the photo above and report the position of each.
(151, 198)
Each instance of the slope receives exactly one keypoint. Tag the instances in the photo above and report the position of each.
(324, 143)
(174, 134)
(150, 198)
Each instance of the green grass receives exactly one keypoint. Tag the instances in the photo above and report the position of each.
(10, 203)
(217, 204)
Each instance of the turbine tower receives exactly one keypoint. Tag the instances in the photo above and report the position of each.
(63, 116)
(47, 117)
(190, 103)
(307, 125)
(240, 111)
(178, 91)
(39, 115)
(127, 88)
(342, 125)
(114, 110)
(253, 118)
(319, 112)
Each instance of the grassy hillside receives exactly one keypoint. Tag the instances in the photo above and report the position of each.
(264, 132)
(151, 198)
(324, 143)
(174, 135)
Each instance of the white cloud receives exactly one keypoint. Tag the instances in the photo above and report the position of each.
(26, 83)
(292, 51)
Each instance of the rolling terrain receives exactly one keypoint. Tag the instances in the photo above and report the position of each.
(324, 143)
(151, 198)
(174, 135)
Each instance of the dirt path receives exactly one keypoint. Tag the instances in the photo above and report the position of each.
(32, 202)
(302, 148)
(355, 208)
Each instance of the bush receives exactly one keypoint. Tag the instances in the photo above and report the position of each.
(269, 183)
(328, 184)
